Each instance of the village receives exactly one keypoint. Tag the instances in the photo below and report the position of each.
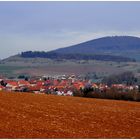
(64, 85)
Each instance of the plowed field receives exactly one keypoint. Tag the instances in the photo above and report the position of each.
(25, 115)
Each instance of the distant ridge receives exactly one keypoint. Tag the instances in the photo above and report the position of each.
(114, 48)
(104, 45)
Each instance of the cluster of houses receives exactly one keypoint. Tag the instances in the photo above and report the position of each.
(58, 86)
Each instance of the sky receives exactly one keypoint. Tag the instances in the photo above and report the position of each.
(48, 25)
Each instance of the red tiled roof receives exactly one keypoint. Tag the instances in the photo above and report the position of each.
(55, 82)
(23, 82)
(40, 83)
(36, 87)
(32, 81)
(60, 87)
(12, 83)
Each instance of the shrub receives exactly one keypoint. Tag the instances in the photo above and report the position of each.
(77, 93)
(109, 94)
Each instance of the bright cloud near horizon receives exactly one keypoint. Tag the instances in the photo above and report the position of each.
(49, 25)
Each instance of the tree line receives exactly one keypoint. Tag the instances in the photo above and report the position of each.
(75, 56)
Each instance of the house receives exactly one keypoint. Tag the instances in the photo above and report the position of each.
(11, 85)
(23, 83)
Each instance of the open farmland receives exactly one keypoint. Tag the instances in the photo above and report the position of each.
(25, 115)
(38, 66)
(16, 65)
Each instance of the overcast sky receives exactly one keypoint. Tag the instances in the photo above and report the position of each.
(45, 26)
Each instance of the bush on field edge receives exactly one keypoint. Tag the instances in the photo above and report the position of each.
(112, 93)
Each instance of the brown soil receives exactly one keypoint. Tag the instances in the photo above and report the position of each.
(25, 115)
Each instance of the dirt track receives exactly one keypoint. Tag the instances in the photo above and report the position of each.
(47, 116)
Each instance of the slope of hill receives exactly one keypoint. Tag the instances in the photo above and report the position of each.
(47, 116)
(115, 48)
(116, 45)
(105, 44)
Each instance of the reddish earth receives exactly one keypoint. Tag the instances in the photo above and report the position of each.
(47, 116)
